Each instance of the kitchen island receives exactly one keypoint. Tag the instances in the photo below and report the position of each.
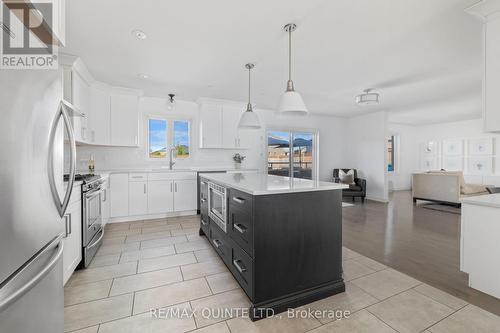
(280, 237)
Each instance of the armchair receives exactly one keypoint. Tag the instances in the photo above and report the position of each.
(357, 189)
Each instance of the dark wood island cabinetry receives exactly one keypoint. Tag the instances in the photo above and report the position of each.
(282, 239)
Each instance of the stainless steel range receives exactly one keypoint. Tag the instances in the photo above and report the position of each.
(92, 231)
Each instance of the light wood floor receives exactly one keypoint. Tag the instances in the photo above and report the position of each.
(422, 243)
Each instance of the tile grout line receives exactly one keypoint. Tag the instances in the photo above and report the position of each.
(373, 314)
(451, 314)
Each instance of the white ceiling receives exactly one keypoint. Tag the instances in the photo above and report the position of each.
(422, 56)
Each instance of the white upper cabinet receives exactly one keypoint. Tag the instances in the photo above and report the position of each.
(210, 126)
(488, 11)
(492, 75)
(219, 127)
(99, 119)
(124, 120)
(230, 119)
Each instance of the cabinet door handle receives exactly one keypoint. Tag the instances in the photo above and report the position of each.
(239, 200)
(66, 227)
(241, 229)
(175, 187)
(171, 187)
(203, 200)
(144, 188)
(217, 243)
(204, 222)
(105, 192)
(70, 223)
(236, 264)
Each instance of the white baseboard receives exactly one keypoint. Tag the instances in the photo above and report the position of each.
(384, 200)
(150, 216)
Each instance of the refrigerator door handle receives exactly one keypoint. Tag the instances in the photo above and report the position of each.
(62, 113)
(10, 292)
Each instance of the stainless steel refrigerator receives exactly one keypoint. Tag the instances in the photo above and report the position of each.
(33, 199)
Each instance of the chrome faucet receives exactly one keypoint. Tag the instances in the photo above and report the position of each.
(171, 157)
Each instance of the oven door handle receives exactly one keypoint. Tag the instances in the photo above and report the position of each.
(93, 194)
(97, 241)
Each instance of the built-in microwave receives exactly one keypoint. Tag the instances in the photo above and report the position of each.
(217, 202)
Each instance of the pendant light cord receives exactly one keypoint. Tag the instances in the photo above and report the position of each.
(249, 69)
(290, 54)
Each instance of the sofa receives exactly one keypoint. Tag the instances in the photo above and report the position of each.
(446, 187)
(357, 189)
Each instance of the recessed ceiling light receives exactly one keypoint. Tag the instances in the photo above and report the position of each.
(139, 34)
(143, 76)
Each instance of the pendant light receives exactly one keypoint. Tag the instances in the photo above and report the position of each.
(291, 102)
(249, 119)
(171, 101)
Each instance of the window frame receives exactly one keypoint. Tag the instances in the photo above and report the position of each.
(169, 135)
(291, 131)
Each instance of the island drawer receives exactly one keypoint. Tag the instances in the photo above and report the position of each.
(240, 228)
(240, 200)
(241, 266)
(205, 224)
(221, 243)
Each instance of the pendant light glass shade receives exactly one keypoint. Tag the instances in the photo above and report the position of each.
(291, 101)
(249, 119)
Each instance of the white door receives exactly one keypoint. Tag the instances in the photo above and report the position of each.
(185, 195)
(124, 120)
(160, 196)
(118, 196)
(230, 120)
(210, 126)
(72, 254)
(138, 198)
(99, 116)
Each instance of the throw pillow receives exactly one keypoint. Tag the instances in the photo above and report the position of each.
(346, 177)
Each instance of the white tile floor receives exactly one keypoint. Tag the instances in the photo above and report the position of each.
(164, 264)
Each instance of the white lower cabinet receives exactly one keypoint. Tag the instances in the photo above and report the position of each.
(141, 194)
(160, 196)
(138, 198)
(118, 194)
(185, 195)
(72, 253)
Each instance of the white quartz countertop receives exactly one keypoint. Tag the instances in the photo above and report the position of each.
(262, 183)
(166, 169)
(490, 200)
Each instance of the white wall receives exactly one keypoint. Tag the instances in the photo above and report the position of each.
(332, 135)
(366, 151)
(413, 136)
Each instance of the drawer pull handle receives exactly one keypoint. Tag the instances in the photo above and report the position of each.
(137, 177)
(217, 243)
(240, 228)
(204, 222)
(239, 200)
(236, 264)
